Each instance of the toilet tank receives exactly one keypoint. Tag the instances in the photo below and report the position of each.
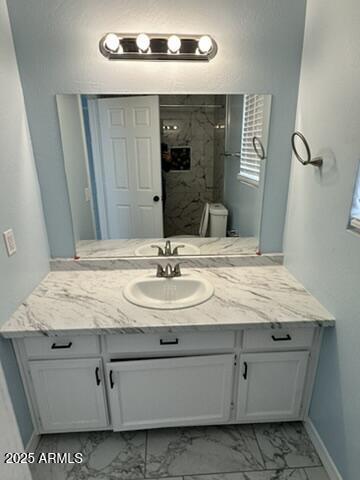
(218, 220)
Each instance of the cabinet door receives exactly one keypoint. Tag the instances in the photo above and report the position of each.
(170, 391)
(70, 394)
(271, 386)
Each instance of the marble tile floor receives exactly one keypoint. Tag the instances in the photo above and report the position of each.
(235, 452)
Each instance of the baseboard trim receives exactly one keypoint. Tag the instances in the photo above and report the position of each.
(33, 442)
(322, 451)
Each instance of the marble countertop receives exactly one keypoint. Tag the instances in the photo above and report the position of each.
(91, 302)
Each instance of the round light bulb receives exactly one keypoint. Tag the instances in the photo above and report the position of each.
(143, 42)
(174, 43)
(205, 44)
(112, 42)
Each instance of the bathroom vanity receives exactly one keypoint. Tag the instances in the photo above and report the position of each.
(91, 360)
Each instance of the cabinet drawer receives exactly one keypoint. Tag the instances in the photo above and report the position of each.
(66, 346)
(142, 343)
(278, 339)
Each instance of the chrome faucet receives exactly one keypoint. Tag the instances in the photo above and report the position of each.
(166, 251)
(168, 248)
(168, 271)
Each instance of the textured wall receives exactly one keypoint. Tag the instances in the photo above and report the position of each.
(319, 249)
(20, 209)
(57, 46)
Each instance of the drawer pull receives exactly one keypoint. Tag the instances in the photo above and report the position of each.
(98, 381)
(281, 339)
(245, 370)
(111, 379)
(58, 347)
(169, 342)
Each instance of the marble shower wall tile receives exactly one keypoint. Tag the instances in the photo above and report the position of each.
(199, 184)
(106, 456)
(185, 451)
(185, 212)
(286, 445)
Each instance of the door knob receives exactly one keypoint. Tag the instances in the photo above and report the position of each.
(156, 198)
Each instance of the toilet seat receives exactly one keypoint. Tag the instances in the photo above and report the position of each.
(204, 222)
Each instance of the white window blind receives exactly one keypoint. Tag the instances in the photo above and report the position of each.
(255, 123)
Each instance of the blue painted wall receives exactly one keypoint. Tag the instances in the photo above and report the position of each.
(63, 57)
(319, 250)
(20, 209)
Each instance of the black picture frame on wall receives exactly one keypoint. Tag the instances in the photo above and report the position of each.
(180, 158)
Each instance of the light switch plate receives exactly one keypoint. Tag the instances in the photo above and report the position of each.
(10, 244)
(87, 194)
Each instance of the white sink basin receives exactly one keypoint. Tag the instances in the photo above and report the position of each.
(148, 251)
(168, 293)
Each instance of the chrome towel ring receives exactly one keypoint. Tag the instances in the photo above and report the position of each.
(316, 161)
(258, 147)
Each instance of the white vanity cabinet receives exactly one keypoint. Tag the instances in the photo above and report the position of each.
(69, 394)
(168, 379)
(271, 386)
(172, 391)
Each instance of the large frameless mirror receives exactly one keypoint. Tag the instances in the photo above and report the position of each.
(156, 175)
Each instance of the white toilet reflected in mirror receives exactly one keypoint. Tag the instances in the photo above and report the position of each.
(213, 222)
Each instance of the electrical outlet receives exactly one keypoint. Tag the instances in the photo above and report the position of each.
(10, 244)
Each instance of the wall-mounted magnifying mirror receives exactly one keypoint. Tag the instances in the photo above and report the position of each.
(144, 169)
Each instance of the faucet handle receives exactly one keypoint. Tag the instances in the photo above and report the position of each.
(160, 271)
(176, 269)
(160, 250)
(167, 249)
(176, 249)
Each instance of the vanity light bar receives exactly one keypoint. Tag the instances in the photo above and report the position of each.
(170, 127)
(151, 46)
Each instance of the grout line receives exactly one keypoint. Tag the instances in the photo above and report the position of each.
(258, 444)
(146, 451)
(186, 476)
(274, 469)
